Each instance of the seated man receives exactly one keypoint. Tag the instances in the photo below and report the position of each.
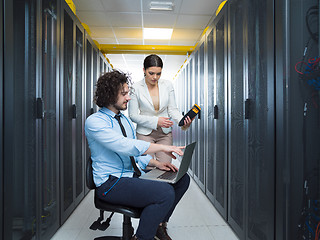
(118, 159)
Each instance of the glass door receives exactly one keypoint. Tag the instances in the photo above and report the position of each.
(237, 131)
(78, 116)
(20, 125)
(48, 105)
(68, 113)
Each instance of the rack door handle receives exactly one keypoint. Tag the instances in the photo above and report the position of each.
(74, 111)
(215, 112)
(247, 109)
(40, 108)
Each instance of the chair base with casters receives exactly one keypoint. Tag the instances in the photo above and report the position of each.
(128, 212)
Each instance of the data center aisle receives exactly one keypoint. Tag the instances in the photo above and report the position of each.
(194, 218)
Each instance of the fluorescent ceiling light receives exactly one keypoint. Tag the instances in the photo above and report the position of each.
(157, 33)
(164, 6)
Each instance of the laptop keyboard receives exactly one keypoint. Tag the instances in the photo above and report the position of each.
(168, 175)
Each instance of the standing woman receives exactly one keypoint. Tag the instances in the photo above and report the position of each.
(152, 106)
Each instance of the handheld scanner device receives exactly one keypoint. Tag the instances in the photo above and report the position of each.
(192, 113)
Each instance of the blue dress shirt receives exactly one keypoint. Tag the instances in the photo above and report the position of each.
(110, 150)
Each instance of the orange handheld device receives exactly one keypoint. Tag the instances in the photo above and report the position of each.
(192, 113)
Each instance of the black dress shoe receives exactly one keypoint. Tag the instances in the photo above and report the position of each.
(162, 233)
(134, 238)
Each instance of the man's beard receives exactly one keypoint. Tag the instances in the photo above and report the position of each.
(121, 107)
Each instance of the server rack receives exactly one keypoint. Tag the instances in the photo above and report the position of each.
(88, 87)
(91, 68)
(20, 131)
(183, 84)
(260, 115)
(2, 114)
(217, 113)
(48, 115)
(297, 118)
(238, 72)
(236, 129)
(71, 120)
(251, 119)
(210, 173)
(190, 100)
(95, 72)
(202, 144)
(79, 136)
(43, 110)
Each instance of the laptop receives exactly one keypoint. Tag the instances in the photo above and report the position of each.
(170, 176)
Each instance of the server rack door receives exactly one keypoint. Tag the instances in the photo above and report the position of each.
(220, 108)
(210, 190)
(1, 119)
(195, 126)
(186, 105)
(176, 134)
(201, 117)
(94, 73)
(89, 88)
(49, 138)
(105, 67)
(68, 114)
(101, 66)
(190, 102)
(21, 165)
(183, 102)
(181, 92)
(237, 135)
(260, 121)
(78, 116)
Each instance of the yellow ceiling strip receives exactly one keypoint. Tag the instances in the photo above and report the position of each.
(220, 7)
(145, 49)
(71, 6)
(86, 27)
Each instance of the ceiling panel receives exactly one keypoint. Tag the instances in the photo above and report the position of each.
(156, 42)
(201, 7)
(128, 32)
(192, 21)
(159, 20)
(85, 5)
(183, 34)
(131, 41)
(101, 32)
(124, 19)
(93, 19)
(105, 40)
(121, 5)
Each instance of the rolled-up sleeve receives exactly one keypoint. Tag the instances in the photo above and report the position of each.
(143, 161)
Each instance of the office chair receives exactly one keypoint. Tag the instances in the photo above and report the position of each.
(128, 212)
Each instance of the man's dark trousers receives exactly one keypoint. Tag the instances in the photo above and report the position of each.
(158, 199)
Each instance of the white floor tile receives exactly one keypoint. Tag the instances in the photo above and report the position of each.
(222, 233)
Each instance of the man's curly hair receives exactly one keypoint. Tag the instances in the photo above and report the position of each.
(108, 87)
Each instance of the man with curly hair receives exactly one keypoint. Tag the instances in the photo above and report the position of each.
(118, 159)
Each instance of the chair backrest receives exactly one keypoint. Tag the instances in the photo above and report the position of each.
(89, 175)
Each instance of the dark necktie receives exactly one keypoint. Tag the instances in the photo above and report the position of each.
(134, 165)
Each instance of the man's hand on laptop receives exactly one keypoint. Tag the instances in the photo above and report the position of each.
(165, 166)
(169, 150)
